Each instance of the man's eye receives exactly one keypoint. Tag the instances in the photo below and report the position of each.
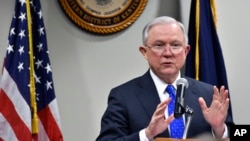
(176, 45)
(160, 45)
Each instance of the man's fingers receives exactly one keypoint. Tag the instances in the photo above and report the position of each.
(160, 110)
(170, 119)
(202, 104)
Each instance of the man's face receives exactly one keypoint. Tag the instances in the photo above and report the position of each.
(166, 50)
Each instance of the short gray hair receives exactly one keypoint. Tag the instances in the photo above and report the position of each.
(162, 20)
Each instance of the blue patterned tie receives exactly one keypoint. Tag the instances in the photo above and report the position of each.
(177, 125)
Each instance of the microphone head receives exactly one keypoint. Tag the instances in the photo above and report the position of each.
(182, 81)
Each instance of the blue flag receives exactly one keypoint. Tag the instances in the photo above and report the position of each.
(205, 60)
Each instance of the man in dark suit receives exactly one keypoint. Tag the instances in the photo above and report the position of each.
(136, 110)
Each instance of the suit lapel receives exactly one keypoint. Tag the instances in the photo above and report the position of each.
(149, 98)
(191, 99)
(147, 94)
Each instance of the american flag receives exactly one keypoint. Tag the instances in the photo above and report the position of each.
(28, 105)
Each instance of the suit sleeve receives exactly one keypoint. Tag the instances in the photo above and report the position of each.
(114, 123)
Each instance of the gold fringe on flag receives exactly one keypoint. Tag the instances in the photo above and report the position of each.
(213, 7)
(197, 26)
(34, 123)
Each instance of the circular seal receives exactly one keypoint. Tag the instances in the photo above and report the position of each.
(103, 16)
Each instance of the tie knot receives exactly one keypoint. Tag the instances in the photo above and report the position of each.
(170, 90)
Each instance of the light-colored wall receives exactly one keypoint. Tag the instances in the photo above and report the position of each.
(85, 67)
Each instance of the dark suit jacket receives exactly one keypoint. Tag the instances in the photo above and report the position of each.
(132, 104)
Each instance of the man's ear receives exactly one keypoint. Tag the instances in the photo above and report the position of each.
(187, 49)
(143, 51)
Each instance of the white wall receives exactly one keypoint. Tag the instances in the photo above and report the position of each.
(85, 66)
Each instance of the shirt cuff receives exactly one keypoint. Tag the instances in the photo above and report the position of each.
(142, 135)
(225, 134)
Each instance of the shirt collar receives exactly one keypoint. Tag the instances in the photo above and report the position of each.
(160, 84)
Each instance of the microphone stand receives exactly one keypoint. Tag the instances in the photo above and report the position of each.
(189, 112)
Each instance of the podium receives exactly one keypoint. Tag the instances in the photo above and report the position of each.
(198, 139)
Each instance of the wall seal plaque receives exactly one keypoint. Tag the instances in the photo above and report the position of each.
(103, 16)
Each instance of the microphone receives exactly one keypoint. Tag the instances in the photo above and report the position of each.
(182, 85)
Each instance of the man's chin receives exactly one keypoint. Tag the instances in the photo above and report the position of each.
(168, 71)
